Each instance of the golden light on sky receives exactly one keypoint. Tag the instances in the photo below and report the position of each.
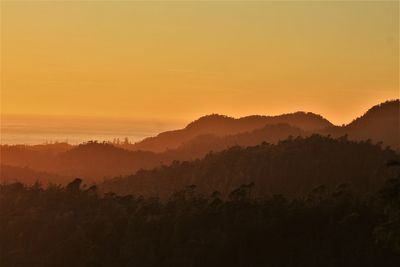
(181, 60)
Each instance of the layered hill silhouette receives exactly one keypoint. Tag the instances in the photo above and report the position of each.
(199, 146)
(381, 123)
(292, 167)
(92, 161)
(96, 161)
(219, 125)
(12, 174)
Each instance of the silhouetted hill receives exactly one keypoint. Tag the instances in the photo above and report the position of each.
(40, 157)
(12, 174)
(101, 160)
(199, 146)
(97, 161)
(92, 161)
(219, 125)
(53, 148)
(381, 123)
(292, 167)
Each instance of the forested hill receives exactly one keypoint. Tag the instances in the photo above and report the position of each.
(381, 123)
(292, 167)
(199, 146)
(96, 161)
(11, 174)
(220, 125)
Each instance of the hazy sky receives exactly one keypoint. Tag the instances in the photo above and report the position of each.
(180, 60)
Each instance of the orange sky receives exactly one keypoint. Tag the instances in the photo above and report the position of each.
(180, 60)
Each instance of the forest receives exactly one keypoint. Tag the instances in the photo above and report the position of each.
(75, 226)
(199, 133)
(289, 190)
(95, 161)
(292, 167)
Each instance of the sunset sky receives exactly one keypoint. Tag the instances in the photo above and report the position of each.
(180, 60)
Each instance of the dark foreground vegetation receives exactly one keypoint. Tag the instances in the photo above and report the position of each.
(75, 226)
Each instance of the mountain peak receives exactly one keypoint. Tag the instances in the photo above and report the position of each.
(384, 111)
(211, 119)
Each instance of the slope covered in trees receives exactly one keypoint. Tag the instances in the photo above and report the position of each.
(75, 227)
(218, 125)
(97, 161)
(292, 167)
(199, 146)
(12, 174)
(93, 161)
(381, 123)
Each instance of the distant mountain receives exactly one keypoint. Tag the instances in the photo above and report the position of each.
(381, 123)
(101, 160)
(95, 161)
(38, 157)
(199, 146)
(292, 167)
(218, 125)
(92, 161)
(11, 174)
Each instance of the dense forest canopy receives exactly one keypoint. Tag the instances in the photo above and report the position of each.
(291, 167)
(279, 194)
(73, 226)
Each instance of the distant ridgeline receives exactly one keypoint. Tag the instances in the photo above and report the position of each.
(381, 123)
(292, 167)
(95, 162)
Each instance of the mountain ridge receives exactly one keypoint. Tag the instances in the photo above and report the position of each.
(221, 125)
(291, 167)
(95, 161)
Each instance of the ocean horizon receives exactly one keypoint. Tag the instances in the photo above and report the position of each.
(34, 130)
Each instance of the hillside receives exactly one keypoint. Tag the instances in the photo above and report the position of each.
(292, 167)
(12, 174)
(92, 161)
(219, 125)
(96, 161)
(199, 146)
(380, 124)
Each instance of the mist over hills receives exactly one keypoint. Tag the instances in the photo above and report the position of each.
(292, 167)
(227, 187)
(94, 161)
(381, 123)
(220, 125)
(12, 174)
(199, 146)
